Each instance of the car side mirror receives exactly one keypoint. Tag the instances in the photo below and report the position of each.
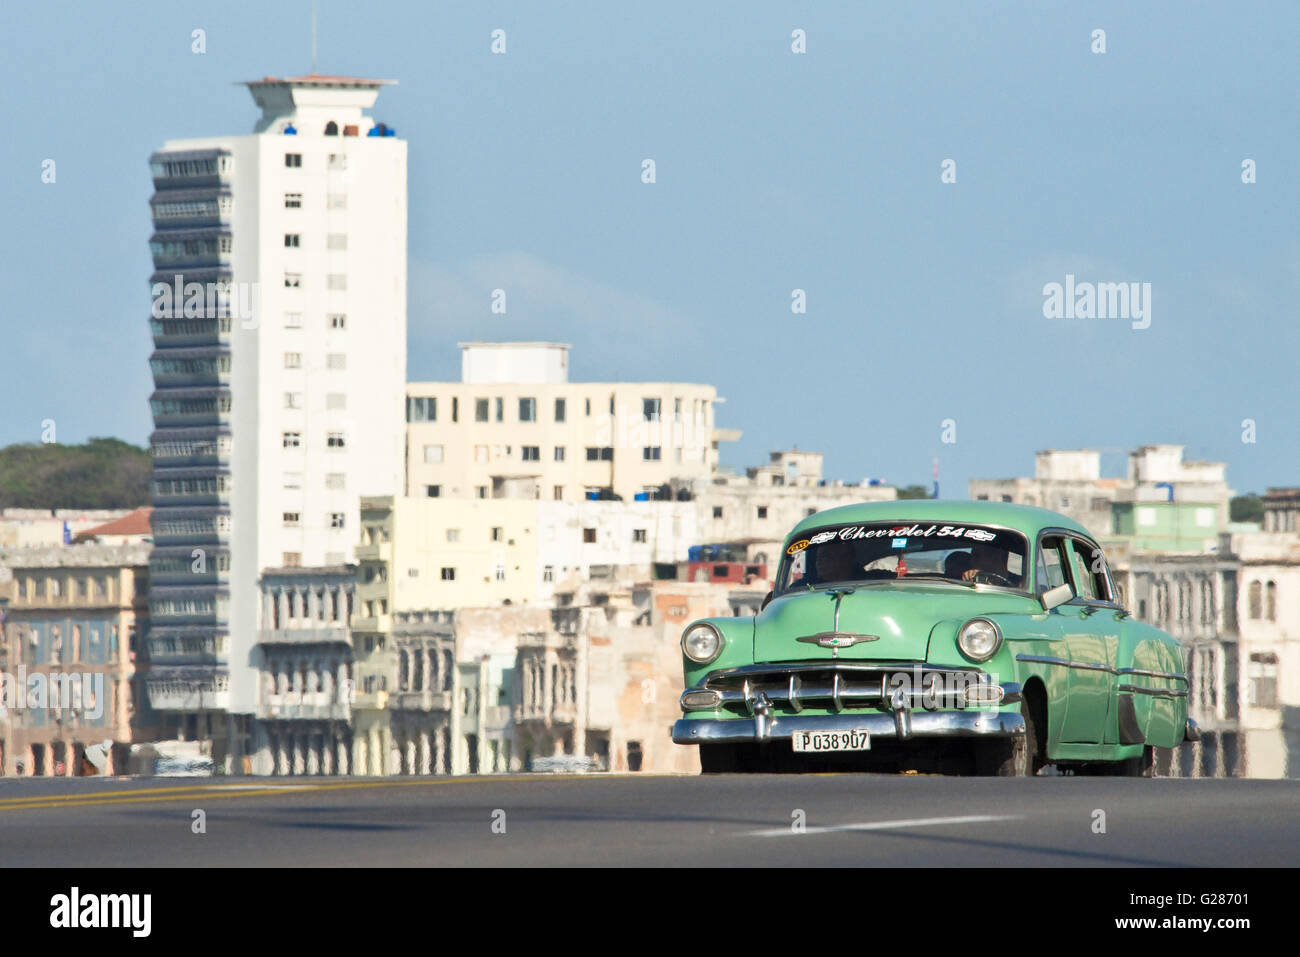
(1056, 596)
(766, 598)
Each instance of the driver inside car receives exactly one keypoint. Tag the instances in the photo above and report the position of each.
(836, 562)
(989, 564)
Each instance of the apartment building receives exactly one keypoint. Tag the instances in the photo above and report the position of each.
(72, 620)
(1162, 495)
(279, 327)
(516, 426)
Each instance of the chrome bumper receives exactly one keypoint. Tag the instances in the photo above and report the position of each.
(901, 725)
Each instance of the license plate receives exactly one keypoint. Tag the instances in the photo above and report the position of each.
(820, 741)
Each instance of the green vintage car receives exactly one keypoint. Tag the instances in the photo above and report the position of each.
(955, 637)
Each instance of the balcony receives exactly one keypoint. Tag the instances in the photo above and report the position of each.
(309, 635)
(372, 624)
(303, 706)
(421, 701)
(378, 552)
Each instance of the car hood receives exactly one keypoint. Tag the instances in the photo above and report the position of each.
(896, 620)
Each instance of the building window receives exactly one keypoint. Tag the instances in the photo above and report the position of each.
(293, 480)
(335, 401)
(421, 408)
(335, 481)
(455, 409)
(481, 454)
(337, 242)
(433, 491)
(498, 533)
(1262, 673)
(559, 453)
(293, 160)
(293, 400)
(338, 320)
(480, 410)
(433, 455)
(558, 492)
(531, 453)
(293, 320)
(650, 410)
(292, 240)
(500, 571)
(638, 535)
(448, 574)
(527, 410)
(291, 559)
(293, 360)
(652, 453)
(292, 440)
(588, 536)
(291, 518)
(1270, 601)
(588, 405)
(292, 280)
(453, 534)
(1255, 598)
(480, 491)
(335, 440)
(500, 409)
(548, 573)
(559, 410)
(336, 519)
(293, 200)
(717, 511)
(595, 454)
(336, 360)
(762, 511)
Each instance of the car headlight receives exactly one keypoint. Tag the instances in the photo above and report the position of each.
(979, 639)
(701, 643)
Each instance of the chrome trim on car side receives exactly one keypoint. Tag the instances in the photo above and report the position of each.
(792, 695)
(937, 724)
(1090, 666)
(1155, 692)
(1152, 674)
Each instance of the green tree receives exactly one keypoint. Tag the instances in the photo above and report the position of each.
(1246, 508)
(914, 491)
(102, 473)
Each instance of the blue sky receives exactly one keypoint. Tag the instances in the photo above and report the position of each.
(775, 171)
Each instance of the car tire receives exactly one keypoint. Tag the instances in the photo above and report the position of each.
(1015, 757)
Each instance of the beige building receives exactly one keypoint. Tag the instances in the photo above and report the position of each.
(1070, 482)
(1268, 611)
(515, 426)
(68, 656)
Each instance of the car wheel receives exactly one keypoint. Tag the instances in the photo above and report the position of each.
(1139, 767)
(1016, 757)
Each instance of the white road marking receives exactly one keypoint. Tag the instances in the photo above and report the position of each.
(883, 825)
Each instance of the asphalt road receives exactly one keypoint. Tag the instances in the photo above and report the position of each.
(641, 820)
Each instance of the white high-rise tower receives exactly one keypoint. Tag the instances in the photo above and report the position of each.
(279, 325)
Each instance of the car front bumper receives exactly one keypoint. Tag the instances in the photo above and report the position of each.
(899, 726)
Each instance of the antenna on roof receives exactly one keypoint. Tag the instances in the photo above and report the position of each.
(313, 37)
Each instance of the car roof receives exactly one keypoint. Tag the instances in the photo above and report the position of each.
(1027, 519)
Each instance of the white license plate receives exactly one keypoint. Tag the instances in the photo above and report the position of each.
(831, 741)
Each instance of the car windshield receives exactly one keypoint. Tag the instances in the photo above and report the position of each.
(889, 551)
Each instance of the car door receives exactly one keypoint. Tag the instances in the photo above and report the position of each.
(1094, 621)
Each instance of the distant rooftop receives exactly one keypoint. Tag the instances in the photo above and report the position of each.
(321, 80)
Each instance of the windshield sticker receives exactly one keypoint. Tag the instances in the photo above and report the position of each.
(900, 543)
(797, 546)
(1015, 563)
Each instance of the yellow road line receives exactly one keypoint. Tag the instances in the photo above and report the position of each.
(211, 791)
